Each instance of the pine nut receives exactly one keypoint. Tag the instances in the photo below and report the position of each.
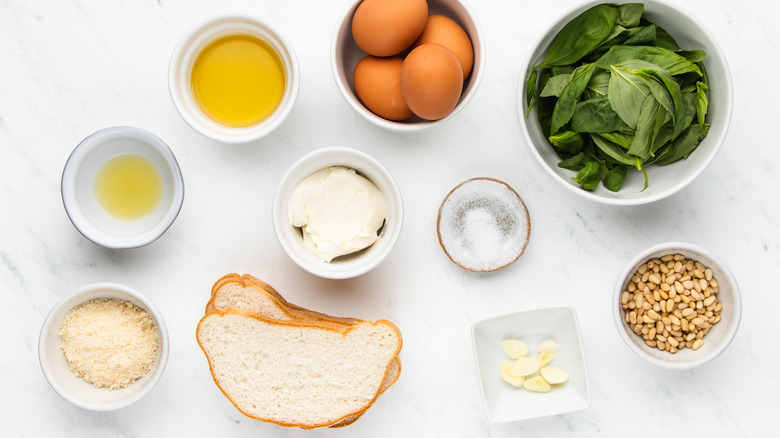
(671, 303)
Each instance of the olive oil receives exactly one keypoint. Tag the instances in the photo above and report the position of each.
(238, 80)
(129, 186)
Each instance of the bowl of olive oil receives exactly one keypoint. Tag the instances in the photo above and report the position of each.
(122, 187)
(233, 78)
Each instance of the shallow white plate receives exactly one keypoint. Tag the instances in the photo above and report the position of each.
(504, 402)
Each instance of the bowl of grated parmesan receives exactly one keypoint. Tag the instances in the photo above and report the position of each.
(103, 347)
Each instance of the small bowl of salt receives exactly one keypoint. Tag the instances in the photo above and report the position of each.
(483, 225)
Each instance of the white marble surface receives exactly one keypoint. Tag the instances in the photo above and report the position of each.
(72, 67)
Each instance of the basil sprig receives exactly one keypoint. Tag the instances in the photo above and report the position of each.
(616, 92)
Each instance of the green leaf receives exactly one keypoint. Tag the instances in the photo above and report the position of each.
(575, 163)
(567, 103)
(673, 63)
(568, 141)
(555, 85)
(702, 104)
(589, 176)
(666, 91)
(629, 14)
(596, 115)
(580, 36)
(619, 138)
(626, 94)
(530, 91)
(683, 145)
(612, 150)
(599, 82)
(615, 177)
(640, 36)
(646, 129)
(692, 55)
(664, 40)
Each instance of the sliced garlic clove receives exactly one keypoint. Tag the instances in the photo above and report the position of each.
(524, 366)
(537, 384)
(516, 381)
(514, 348)
(544, 358)
(554, 375)
(548, 346)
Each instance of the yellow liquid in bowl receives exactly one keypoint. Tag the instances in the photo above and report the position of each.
(129, 187)
(238, 80)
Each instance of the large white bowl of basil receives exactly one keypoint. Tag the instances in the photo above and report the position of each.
(625, 103)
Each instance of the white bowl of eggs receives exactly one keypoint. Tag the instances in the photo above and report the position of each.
(408, 65)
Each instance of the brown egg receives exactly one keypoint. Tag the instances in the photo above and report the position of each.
(378, 85)
(388, 27)
(431, 81)
(446, 32)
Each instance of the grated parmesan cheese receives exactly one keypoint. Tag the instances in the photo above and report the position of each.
(109, 342)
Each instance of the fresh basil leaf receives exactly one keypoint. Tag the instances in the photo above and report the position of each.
(626, 94)
(555, 85)
(702, 104)
(567, 103)
(562, 70)
(692, 55)
(619, 138)
(683, 145)
(642, 144)
(673, 63)
(580, 36)
(599, 82)
(597, 115)
(575, 163)
(665, 40)
(667, 92)
(641, 36)
(568, 141)
(614, 179)
(589, 176)
(530, 90)
(629, 14)
(612, 150)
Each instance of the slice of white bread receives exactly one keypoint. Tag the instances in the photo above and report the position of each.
(248, 293)
(296, 373)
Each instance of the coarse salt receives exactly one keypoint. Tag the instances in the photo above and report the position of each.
(483, 225)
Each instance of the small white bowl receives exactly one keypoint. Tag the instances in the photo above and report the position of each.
(186, 52)
(351, 265)
(82, 206)
(504, 402)
(345, 54)
(483, 225)
(75, 389)
(719, 336)
(665, 180)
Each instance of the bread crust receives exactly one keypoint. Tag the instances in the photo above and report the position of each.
(295, 323)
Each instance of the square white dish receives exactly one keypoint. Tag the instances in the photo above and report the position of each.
(504, 402)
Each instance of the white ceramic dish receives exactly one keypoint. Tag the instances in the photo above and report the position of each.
(719, 336)
(345, 54)
(666, 180)
(186, 52)
(82, 206)
(504, 402)
(483, 225)
(351, 265)
(74, 389)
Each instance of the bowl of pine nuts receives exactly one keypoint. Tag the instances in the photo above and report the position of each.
(677, 305)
